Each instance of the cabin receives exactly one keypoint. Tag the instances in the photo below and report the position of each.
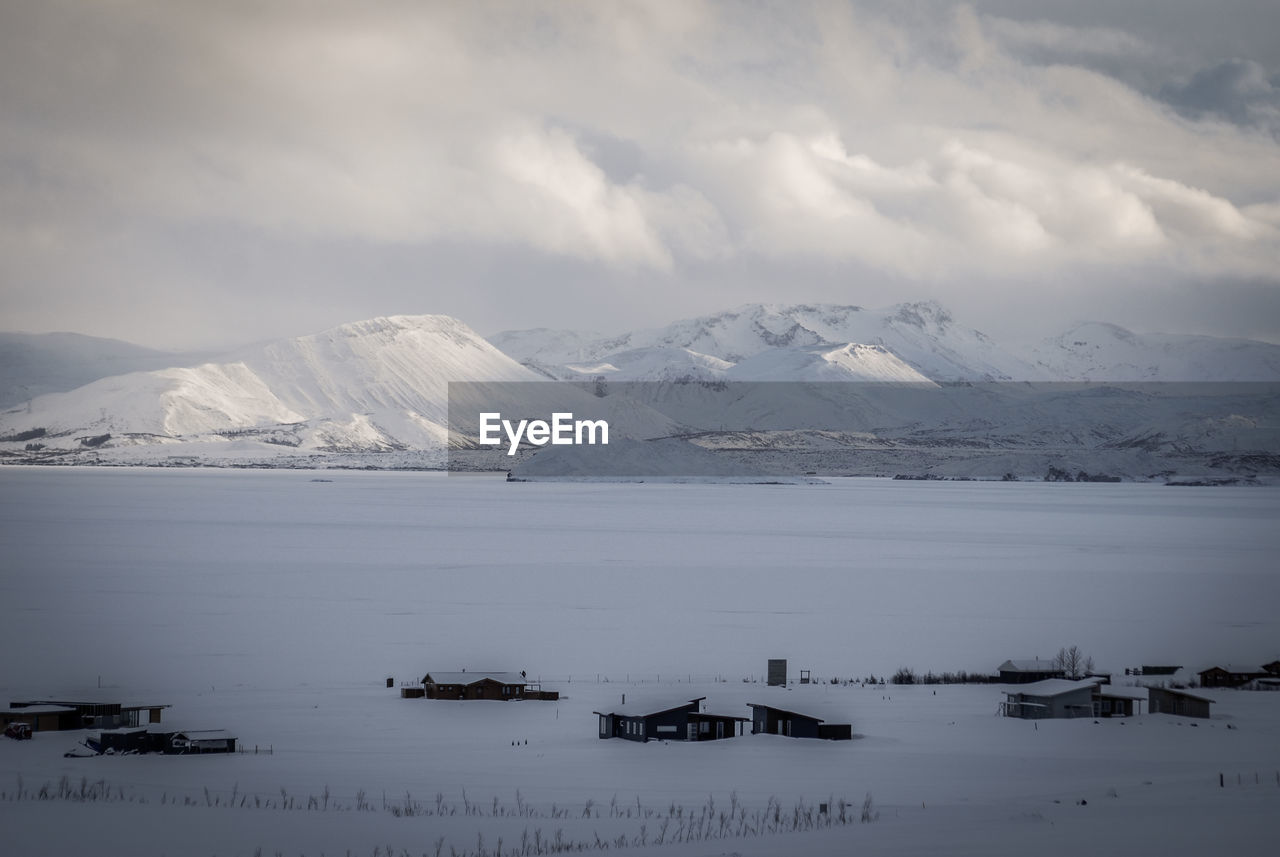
(1027, 672)
(196, 741)
(1051, 698)
(1216, 676)
(63, 714)
(482, 685)
(133, 740)
(1166, 700)
(669, 719)
(771, 720)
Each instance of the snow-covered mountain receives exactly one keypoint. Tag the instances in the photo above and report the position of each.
(922, 382)
(922, 335)
(369, 386)
(1106, 352)
(858, 363)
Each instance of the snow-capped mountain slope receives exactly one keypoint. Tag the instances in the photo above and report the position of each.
(367, 386)
(657, 363)
(34, 364)
(1106, 352)
(851, 362)
(543, 345)
(922, 335)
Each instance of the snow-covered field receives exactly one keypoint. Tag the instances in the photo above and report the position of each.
(274, 605)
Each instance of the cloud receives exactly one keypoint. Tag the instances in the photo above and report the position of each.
(1237, 90)
(937, 146)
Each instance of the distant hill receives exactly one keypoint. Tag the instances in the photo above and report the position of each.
(32, 364)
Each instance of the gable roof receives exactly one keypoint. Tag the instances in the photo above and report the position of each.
(1177, 692)
(786, 711)
(1032, 666)
(466, 678)
(1053, 687)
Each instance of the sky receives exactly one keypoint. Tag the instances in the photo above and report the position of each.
(193, 175)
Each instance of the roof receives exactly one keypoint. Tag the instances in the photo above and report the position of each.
(786, 711)
(1032, 666)
(1177, 692)
(1053, 687)
(206, 734)
(652, 705)
(472, 678)
(1127, 692)
(89, 700)
(38, 709)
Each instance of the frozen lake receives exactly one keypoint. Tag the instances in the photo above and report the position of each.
(273, 605)
(188, 578)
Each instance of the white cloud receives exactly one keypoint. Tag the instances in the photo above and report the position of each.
(923, 145)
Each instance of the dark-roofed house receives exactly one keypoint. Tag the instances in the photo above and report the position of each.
(201, 741)
(1166, 700)
(473, 685)
(1052, 697)
(1026, 672)
(668, 719)
(1216, 676)
(771, 720)
(83, 714)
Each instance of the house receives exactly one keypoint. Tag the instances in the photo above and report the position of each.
(1026, 672)
(1113, 701)
(1051, 698)
(482, 685)
(194, 741)
(771, 720)
(49, 714)
(1216, 676)
(670, 719)
(1157, 669)
(1165, 700)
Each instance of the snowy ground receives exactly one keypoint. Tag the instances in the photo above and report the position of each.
(274, 605)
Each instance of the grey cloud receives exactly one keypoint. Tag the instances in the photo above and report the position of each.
(1238, 90)
(517, 163)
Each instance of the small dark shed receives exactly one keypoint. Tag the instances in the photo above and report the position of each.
(771, 720)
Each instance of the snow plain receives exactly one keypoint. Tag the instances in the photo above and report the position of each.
(274, 605)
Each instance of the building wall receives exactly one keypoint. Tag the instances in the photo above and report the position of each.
(1074, 703)
(668, 725)
(1163, 702)
(773, 721)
